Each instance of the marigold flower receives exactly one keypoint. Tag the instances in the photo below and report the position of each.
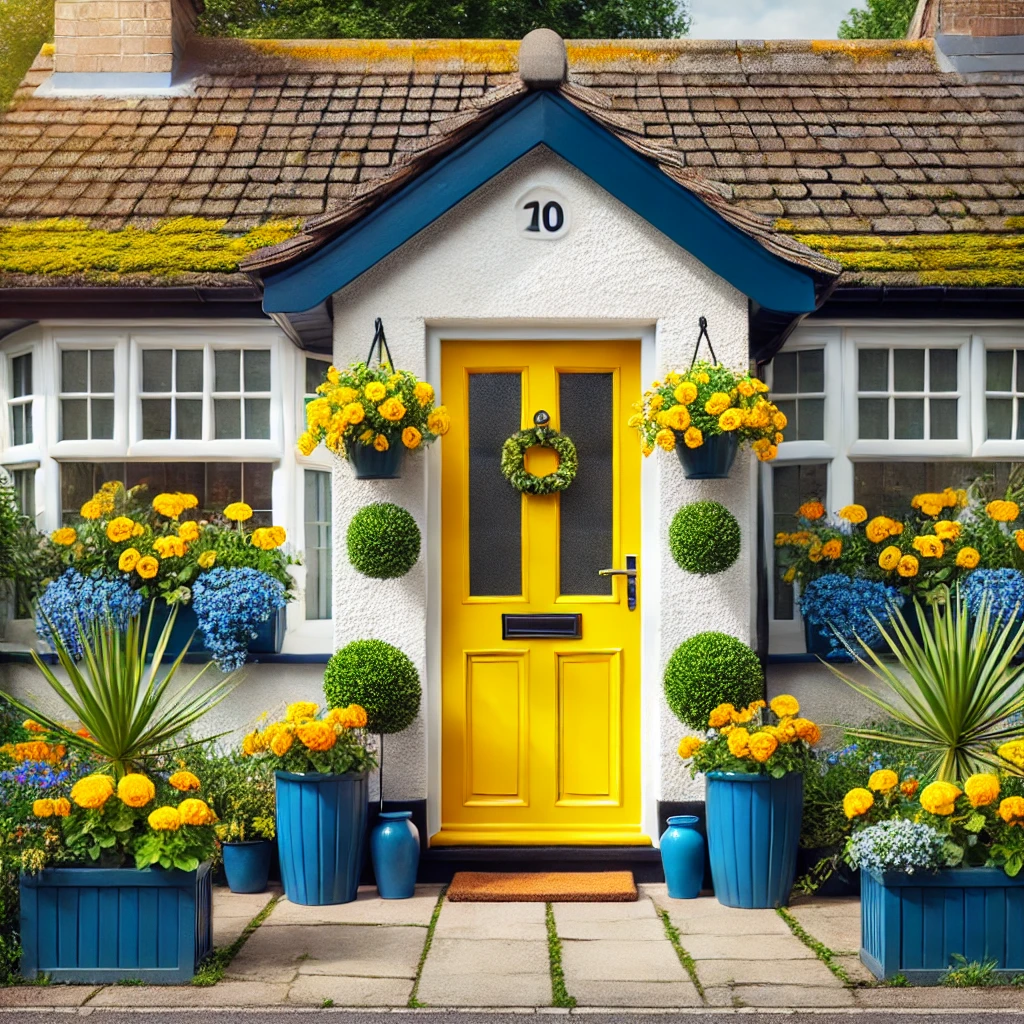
(1013, 752)
(411, 437)
(351, 717)
(375, 391)
(301, 711)
(908, 566)
(307, 443)
(880, 528)
(238, 511)
(883, 780)
(147, 567)
(392, 409)
(120, 529)
(65, 536)
(135, 790)
(767, 454)
(717, 403)
(129, 559)
(423, 392)
(1011, 810)
(169, 505)
(940, 798)
(807, 731)
(693, 438)
(184, 781)
(858, 802)
(439, 422)
(165, 819)
(853, 513)
(890, 557)
(832, 549)
(252, 744)
(762, 745)
(982, 789)
(685, 393)
(731, 419)
(196, 812)
(721, 715)
(928, 546)
(677, 418)
(739, 742)
(31, 725)
(189, 531)
(909, 787)
(93, 791)
(947, 530)
(968, 558)
(380, 442)
(688, 746)
(281, 742)
(91, 509)
(316, 735)
(1003, 511)
(779, 420)
(42, 808)
(785, 706)
(61, 807)
(811, 510)
(206, 559)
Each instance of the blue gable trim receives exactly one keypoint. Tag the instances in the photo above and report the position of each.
(545, 119)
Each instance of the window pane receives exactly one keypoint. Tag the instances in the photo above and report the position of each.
(908, 369)
(21, 424)
(21, 374)
(156, 369)
(788, 407)
(998, 371)
(156, 419)
(74, 370)
(810, 420)
(318, 544)
(886, 488)
(188, 370)
(102, 376)
(188, 418)
(874, 369)
(103, 418)
(257, 487)
(1000, 418)
(257, 417)
(74, 419)
(223, 484)
(316, 370)
(942, 418)
(784, 374)
(1020, 370)
(257, 370)
(25, 490)
(942, 369)
(812, 370)
(226, 374)
(495, 526)
(874, 418)
(791, 486)
(585, 512)
(909, 418)
(227, 415)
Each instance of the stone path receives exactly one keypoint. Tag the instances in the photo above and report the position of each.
(655, 953)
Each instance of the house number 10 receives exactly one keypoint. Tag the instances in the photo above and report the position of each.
(542, 214)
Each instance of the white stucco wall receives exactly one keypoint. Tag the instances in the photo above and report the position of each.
(473, 268)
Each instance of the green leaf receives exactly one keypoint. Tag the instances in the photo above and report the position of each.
(975, 823)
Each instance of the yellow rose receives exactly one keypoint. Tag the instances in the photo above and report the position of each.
(423, 392)
(688, 746)
(64, 536)
(189, 531)
(238, 511)
(907, 566)
(717, 403)
(762, 746)
(685, 393)
(1003, 511)
(411, 437)
(785, 706)
(135, 790)
(380, 442)
(739, 742)
(731, 419)
(890, 557)
(147, 567)
(184, 781)
(940, 798)
(982, 789)
(857, 802)
(375, 391)
(439, 422)
(665, 440)
(883, 780)
(853, 513)
(165, 819)
(693, 438)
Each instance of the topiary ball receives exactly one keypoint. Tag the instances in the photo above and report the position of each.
(704, 538)
(383, 541)
(707, 670)
(379, 678)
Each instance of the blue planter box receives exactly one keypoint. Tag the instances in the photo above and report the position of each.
(100, 925)
(269, 638)
(913, 924)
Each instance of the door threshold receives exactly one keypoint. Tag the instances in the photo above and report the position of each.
(440, 863)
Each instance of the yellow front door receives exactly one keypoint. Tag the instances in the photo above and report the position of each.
(540, 735)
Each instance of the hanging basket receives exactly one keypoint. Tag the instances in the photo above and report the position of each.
(370, 464)
(712, 460)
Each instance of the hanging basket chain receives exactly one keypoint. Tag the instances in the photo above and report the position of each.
(703, 336)
(380, 344)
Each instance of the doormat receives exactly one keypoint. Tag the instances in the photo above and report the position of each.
(543, 887)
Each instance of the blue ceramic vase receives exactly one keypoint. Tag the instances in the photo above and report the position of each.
(395, 851)
(682, 857)
(247, 865)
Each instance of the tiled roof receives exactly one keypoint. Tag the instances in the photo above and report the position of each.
(832, 140)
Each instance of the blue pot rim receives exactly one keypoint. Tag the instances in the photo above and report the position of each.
(395, 815)
(247, 842)
(683, 820)
(319, 776)
(744, 777)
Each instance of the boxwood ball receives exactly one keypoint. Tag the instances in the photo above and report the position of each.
(379, 678)
(704, 538)
(707, 670)
(383, 541)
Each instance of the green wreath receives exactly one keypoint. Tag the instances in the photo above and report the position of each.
(513, 460)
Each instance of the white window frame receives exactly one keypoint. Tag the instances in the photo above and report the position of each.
(88, 395)
(35, 400)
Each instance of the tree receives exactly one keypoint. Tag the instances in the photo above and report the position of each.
(428, 19)
(882, 19)
(24, 26)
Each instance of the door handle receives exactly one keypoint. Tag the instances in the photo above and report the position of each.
(630, 573)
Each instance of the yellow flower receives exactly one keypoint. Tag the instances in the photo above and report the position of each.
(909, 787)
(811, 510)
(1011, 810)
(281, 742)
(700, 377)
(353, 413)
(61, 807)
(206, 559)
(169, 505)
(346, 395)
(1019, 538)
(807, 730)
(853, 513)
(317, 735)
(928, 546)
(1013, 752)
(657, 402)
(351, 717)
(307, 443)
(880, 528)
(665, 440)
(693, 438)
(93, 791)
(675, 418)
(184, 781)
(332, 375)
(940, 798)
(685, 393)
(688, 746)
(318, 413)
(147, 567)
(1003, 511)
(982, 789)
(165, 819)
(423, 392)
(832, 549)
(375, 391)
(252, 743)
(717, 403)
(187, 500)
(789, 575)
(439, 422)
(890, 557)
(301, 711)
(91, 509)
(883, 780)
(169, 547)
(189, 531)
(731, 419)
(238, 511)
(907, 566)
(119, 529)
(380, 442)
(785, 706)
(762, 746)
(745, 388)
(196, 812)
(43, 808)
(947, 530)
(261, 539)
(768, 453)
(65, 536)
(857, 802)
(411, 437)
(721, 715)
(31, 725)
(135, 790)
(739, 742)
(779, 420)
(128, 560)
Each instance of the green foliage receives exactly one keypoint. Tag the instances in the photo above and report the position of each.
(378, 677)
(10, 948)
(707, 670)
(970, 974)
(819, 949)
(240, 790)
(212, 969)
(513, 461)
(559, 993)
(24, 26)
(426, 19)
(878, 19)
(383, 541)
(957, 690)
(704, 538)
(181, 848)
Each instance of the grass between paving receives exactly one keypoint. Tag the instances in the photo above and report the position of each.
(212, 969)
(559, 994)
(414, 1003)
(684, 958)
(819, 949)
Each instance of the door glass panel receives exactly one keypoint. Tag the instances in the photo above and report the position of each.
(495, 508)
(585, 531)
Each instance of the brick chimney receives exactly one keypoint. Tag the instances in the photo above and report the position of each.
(973, 35)
(115, 45)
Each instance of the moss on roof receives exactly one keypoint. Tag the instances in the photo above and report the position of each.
(167, 250)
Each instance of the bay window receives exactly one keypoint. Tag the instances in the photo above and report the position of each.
(19, 400)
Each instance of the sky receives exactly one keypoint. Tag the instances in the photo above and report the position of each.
(768, 19)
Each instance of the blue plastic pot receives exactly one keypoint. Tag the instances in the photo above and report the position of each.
(682, 857)
(247, 865)
(712, 460)
(321, 832)
(395, 851)
(753, 834)
(370, 464)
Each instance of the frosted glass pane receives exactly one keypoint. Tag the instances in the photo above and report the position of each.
(812, 370)
(1000, 418)
(874, 418)
(1020, 370)
(909, 418)
(810, 421)
(257, 370)
(189, 419)
(998, 371)
(156, 369)
(156, 419)
(873, 364)
(257, 418)
(21, 424)
(190, 370)
(942, 418)
(103, 418)
(227, 418)
(74, 370)
(257, 480)
(21, 376)
(74, 419)
(226, 371)
(908, 369)
(788, 406)
(585, 510)
(316, 370)
(942, 369)
(784, 373)
(102, 377)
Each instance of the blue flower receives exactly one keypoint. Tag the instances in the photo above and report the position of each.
(835, 600)
(1004, 588)
(230, 604)
(73, 601)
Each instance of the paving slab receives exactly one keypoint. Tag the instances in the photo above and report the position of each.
(617, 960)
(242, 904)
(706, 916)
(519, 921)
(45, 995)
(641, 909)
(780, 996)
(636, 930)
(498, 957)
(313, 990)
(367, 908)
(227, 929)
(760, 947)
(856, 971)
(483, 989)
(226, 993)
(638, 994)
(838, 928)
(765, 972)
